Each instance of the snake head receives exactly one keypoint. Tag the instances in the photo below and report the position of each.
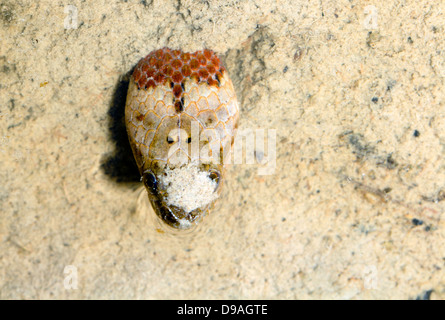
(181, 116)
(182, 196)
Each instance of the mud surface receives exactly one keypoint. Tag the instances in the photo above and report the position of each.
(353, 210)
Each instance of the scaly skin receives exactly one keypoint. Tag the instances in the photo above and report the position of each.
(171, 94)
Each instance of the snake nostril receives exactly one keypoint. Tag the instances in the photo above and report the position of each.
(214, 175)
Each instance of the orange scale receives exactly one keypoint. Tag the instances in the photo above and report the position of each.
(137, 75)
(202, 59)
(212, 82)
(177, 90)
(152, 60)
(168, 57)
(195, 75)
(179, 106)
(203, 73)
(159, 77)
(142, 82)
(177, 76)
(159, 64)
(215, 60)
(194, 64)
(159, 53)
(186, 70)
(150, 72)
(176, 64)
(151, 83)
(145, 67)
(207, 53)
(168, 70)
(211, 68)
(185, 57)
(168, 80)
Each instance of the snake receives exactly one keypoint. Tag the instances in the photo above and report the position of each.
(181, 116)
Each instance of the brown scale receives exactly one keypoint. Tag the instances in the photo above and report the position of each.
(173, 66)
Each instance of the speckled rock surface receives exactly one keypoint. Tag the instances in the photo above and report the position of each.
(355, 206)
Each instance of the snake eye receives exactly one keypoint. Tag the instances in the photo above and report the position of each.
(150, 181)
(214, 175)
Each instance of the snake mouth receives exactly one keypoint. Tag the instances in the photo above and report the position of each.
(176, 217)
(182, 195)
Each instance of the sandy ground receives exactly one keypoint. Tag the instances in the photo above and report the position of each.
(353, 210)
